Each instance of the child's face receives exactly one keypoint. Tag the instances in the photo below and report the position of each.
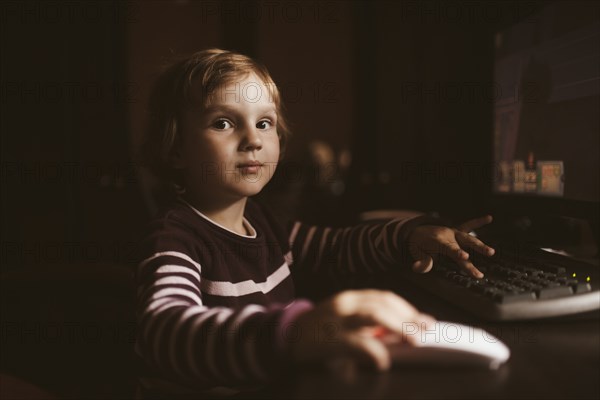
(230, 150)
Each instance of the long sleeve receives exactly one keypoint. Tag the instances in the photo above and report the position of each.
(367, 247)
(204, 346)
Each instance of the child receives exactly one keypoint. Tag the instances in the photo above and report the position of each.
(216, 302)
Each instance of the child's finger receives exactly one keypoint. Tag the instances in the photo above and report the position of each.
(388, 311)
(369, 351)
(470, 268)
(410, 333)
(424, 265)
(452, 250)
(466, 240)
(423, 262)
(475, 223)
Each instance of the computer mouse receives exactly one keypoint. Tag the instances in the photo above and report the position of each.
(448, 344)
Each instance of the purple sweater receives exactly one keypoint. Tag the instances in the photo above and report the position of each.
(213, 306)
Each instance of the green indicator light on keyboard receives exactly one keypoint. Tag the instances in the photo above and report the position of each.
(587, 279)
(574, 275)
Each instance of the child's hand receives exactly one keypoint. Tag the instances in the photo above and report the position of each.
(429, 241)
(351, 324)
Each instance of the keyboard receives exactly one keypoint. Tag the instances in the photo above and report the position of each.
(517, 285)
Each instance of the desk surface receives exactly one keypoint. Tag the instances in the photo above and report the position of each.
(557, 359)
(550, 359)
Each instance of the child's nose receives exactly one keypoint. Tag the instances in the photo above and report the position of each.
(251, 140)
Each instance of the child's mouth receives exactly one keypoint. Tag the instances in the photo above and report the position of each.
(251, 167)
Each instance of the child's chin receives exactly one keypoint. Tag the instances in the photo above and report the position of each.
(252, 189)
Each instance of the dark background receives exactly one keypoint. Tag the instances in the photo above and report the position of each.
(405, 86)
(377, 78)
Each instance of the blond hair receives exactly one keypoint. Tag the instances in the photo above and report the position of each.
(177, 88)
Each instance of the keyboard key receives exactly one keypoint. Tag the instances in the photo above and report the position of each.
(512, 297)
(533, 272)
(557, 269)
(503, 273)
(550, 276)
(550, 284)
(449, 274)
(525, 285)
(552, 292)
(478, 288)
(467, 282)
(492, 292)
(582, 287)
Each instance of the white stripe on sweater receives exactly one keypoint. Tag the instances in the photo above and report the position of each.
(170, 254)
(294, 233)
(174, 303)
(349, 250)
(361, 249)
(308, 240)
(321, 249)
(223, 288)
(175, 280)
(343, 242)
(177, 269)
(169, 291)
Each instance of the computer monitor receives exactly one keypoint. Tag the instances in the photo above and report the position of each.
(546, 126)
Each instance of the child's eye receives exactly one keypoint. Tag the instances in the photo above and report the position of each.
(264, 124)
(222, 124)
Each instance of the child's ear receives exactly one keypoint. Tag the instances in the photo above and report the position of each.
(177, 160)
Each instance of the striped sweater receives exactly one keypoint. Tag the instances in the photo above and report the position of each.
(213, 306)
